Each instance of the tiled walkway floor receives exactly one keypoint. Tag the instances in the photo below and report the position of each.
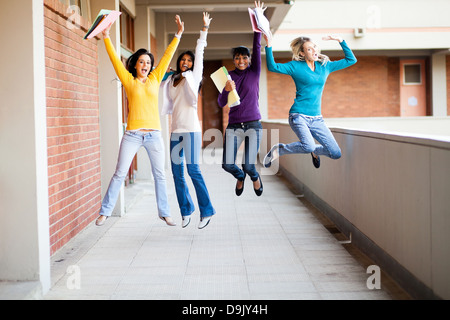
(268, 247)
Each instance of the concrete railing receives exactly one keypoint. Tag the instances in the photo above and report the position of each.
(390, 191)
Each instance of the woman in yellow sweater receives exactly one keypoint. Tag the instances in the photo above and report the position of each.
(141, 83)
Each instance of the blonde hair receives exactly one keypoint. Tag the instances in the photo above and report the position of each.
(297, 48)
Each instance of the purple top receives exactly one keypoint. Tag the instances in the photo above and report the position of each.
(247, 86)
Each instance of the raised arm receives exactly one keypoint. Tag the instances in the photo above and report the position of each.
(349, 59)
(283, 68)
(163, 64)
(200, 48)
(256, 54)
(123, 74)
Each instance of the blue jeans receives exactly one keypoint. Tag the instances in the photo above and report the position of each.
(236, 133)
(188, 145)
(131, 142)
(307, 129)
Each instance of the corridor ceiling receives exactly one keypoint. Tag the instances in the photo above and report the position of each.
(230, 26)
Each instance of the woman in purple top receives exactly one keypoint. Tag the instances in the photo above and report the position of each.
(244, 123)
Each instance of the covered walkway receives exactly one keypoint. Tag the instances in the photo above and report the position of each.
(274, 247)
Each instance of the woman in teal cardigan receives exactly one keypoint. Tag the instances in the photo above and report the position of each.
(309, 69)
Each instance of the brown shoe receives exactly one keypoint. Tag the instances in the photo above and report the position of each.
(101, 220)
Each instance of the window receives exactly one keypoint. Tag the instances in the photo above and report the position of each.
(126, 30)
(412, 74)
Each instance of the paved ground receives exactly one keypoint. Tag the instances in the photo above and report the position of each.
(273, 247)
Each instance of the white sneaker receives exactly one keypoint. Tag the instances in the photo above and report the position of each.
(271, 156)
(186, 220)
(204, 222)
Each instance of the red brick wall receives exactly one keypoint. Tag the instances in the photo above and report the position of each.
(281, 93)
(370, 88)
(72, 125)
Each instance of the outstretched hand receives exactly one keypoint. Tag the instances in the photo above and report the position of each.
(180, 25)
(206, 19)
(260, 5)
(333, 37)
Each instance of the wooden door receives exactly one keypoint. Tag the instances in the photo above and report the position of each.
(413, 100)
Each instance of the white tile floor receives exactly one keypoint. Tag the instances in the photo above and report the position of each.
(268, 247)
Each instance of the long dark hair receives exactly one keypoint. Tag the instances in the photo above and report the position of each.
(132, 60)
(190, 54)
(178, 72)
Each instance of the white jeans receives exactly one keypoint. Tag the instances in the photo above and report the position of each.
(131, 142)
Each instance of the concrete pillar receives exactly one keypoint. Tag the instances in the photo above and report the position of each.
(439, 85)
(142, 27)
(24, 215)
(110, 102)
(162, 42)
(263, 89)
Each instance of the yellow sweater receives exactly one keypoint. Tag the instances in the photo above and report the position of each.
(143, 110)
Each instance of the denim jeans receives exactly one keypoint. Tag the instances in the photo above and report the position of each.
(236, 133)
(307, 129)
(187, 145)
(131, 142)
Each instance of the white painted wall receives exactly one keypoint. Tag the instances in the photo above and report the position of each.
(130, 6)
(24, 224)
(144, 27)
(318, 14)
(426, 22)
(439, 84)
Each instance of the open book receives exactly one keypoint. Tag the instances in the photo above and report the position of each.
(259, 21)
(104, 18)
(220, 78)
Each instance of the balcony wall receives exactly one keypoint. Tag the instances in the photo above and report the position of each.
(390, 191)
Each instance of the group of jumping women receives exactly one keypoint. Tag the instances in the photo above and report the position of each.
(179, 89)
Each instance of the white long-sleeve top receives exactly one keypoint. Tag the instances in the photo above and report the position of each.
(181, 101)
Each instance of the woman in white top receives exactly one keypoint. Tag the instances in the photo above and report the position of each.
(180, 96)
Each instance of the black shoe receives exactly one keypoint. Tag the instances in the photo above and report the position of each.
(239, 191)
(316, 161)
(260, 190)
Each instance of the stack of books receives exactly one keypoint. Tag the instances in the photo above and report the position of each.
(259, 21)
(103, 20)
(220, 78)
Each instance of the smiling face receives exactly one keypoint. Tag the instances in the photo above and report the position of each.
(143, 66)
(186, 63)
(241, 62)
(310, 51)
